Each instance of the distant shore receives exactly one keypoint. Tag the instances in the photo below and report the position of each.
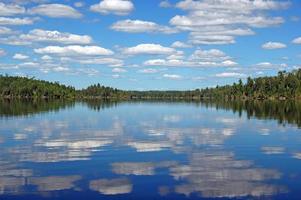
(284, 86)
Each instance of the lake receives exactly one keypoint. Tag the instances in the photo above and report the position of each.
(150, 150)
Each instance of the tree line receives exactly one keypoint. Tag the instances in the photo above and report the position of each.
(286, 85)
(23, 87)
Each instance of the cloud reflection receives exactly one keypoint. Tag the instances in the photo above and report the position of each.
(272, 150)
(198, 159)
(217, 174)
(112, 186)
(53, 183)
(140, 168)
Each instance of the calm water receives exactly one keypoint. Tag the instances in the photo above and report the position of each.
(150, 150)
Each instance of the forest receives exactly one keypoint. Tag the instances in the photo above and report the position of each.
(23, 87)
(285, 85)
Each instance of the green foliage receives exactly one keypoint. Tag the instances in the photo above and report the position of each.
(22, 87)
(286, 85)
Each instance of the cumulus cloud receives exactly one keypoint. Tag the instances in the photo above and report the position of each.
(87, 71)
(229, 63)
(11, 9)
(178, 44)
(46, 57)
(199, 58)
(271, 65)
(16, 21)
(273, 45)
(46, 36)
(209, 55)
(74, 50)
(165, 4)
(151, 49)
(118, 70)
(297, 40)
(139, 26)
(172, 76)
(264, 64)
(112, 62)
(148, 71)
(39, 35)
(219, 22)
(5, 30)
(55, 11)
(19, 56)
(169, 63)
(230, 75)
(117, 7)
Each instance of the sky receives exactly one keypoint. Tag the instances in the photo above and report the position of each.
(149, 44)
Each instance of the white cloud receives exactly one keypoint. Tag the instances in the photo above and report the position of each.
(88, 71)
(229, 63)
(165, 4)
(29, 64)
(169, 63)
(19, 56)
(219, 22)
(116, 76)
(13, 40)
(139, 26)
(118, 70)
(232, 5)
(39, 35)
(271, 65)
(264, 64)
(230, 75)
(209, 55)
(273, 45)
(117, 7)
(16, 21)
(5, 30)
(172, 76)
(11, 9)
(46, 57)
(74, 50)
(297, 40)
(56, 11)
(112, 62)
(216, 34)
(148, 71)
(211, 39)
(178, 44)
(200, 58)
(60, 69)
(178, 55)
(152, 49)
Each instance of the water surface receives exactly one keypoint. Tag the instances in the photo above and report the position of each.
(150, 150)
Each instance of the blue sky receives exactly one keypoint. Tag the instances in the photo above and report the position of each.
(149, 44)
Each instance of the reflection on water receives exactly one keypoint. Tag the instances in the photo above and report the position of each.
(217, 174)
(149, 150)
(112, 187)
